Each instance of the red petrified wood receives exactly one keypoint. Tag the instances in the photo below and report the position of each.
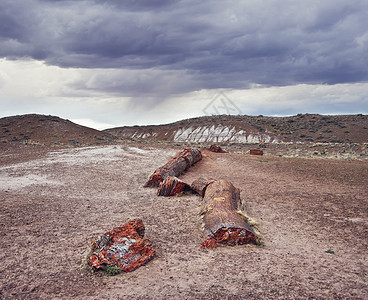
(255, 152)
(123, 247)
(217, 149)
(181, 162)
(200, 185)
(172, 186)
(222, 223)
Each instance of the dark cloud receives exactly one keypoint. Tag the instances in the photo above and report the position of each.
(139, 4)
(196, 44)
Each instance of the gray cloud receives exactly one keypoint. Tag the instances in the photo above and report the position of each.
(182, 46)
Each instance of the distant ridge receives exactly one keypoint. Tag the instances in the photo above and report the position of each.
(254, 129)
(223, 129)
(48, 130)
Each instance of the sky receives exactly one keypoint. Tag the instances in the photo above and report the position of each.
(109, 63)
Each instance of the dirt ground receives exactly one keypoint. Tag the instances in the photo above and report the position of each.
(54, 201)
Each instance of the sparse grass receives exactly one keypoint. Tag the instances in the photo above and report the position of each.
(254, 224)
(251, 222)
(31, 142)
(204, 209)
(112, 270)
(85, 261)
(264, 160)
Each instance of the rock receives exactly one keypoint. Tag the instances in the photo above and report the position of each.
(172, 186)
(256, 152)
(176, 166)
(123, 247)
(199, 185)
(223, 224)
(217, 149)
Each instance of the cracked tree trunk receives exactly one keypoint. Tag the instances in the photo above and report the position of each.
(123, 247)
(172, 186)
(176, 166)
(256, 152)
(223, 222)
(217, 149)
(200, 185)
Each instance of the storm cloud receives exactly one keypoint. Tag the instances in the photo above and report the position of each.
(152, 49)
(222, 44)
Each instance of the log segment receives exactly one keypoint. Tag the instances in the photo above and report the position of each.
(217, 149)
(255, 152)
(222, 222)
(123, 247)
(200, 185)
(172, 186)
(176, 166)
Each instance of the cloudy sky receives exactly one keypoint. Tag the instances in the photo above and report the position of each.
(105, 63)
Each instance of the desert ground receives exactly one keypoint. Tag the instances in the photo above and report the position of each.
(55, 200)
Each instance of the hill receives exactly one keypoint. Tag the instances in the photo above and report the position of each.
(303, 135)
(255, 129)
(48, 130)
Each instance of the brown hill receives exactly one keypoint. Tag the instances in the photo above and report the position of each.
(48, 130)
(255, 129)
(303, 135)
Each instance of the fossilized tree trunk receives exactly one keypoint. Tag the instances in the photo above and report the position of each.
(200, 185)
(123, 247)
(255, 152)
(181, 162)
(172, 186)
(217, 149)
(223, 223)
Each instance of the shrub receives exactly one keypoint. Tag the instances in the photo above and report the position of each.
(112, 270)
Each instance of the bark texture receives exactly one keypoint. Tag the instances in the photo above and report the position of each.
(123, 247)
(256, 152)
(223, 223)
(217, 149)
(172, 186)
(176, 166)
(200, 185)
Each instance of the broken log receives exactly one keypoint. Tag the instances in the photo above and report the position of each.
(176, 166)
(123, 247)
(199, 185)
(217, 149)
(255, 152)
(223, 224)
(172, 186)
(191, 156)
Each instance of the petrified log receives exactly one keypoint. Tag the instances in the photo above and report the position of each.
(171, 186)
(123, 247)
(217, 149)
(255, 152)
(181, 162)
(199, 185)
(191, 156)
(222, 222)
